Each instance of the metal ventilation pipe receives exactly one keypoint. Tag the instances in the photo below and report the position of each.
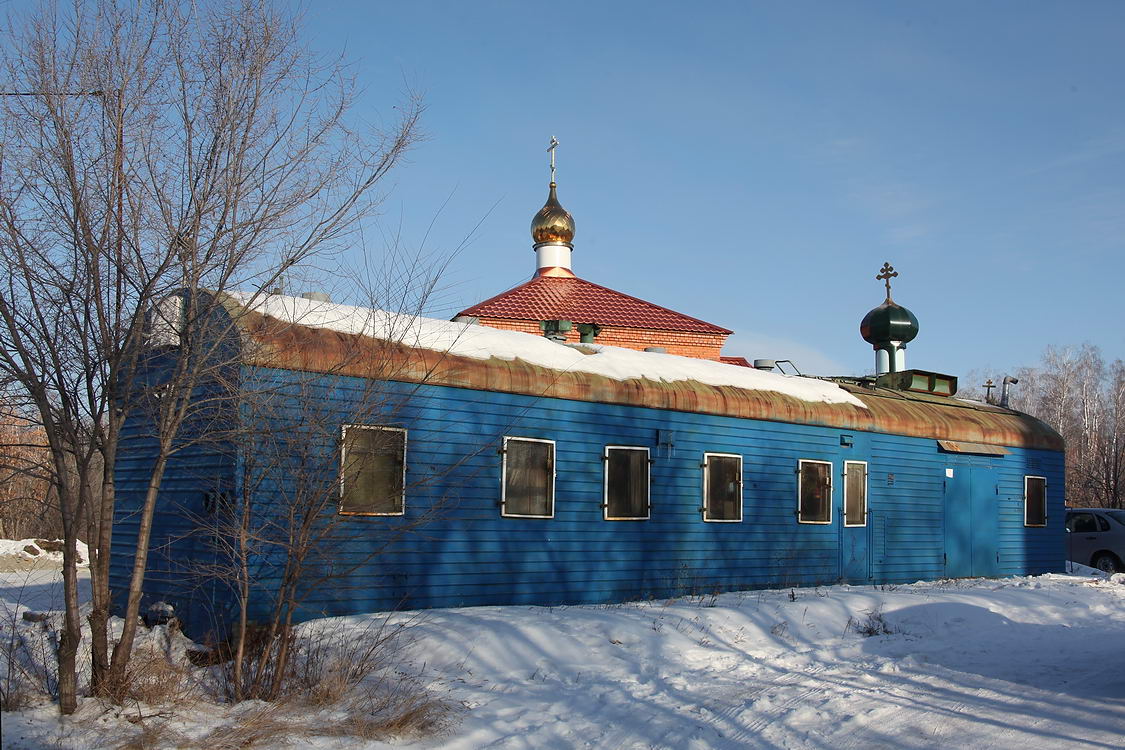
(555, 330)
(1008, 381)
(765, 364)
(587, 332)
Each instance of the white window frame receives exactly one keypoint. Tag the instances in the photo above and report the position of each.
(831, 482)
(704, 510)
(605, 483)
(866, 496)
(504, 475)
(166, 321)
(344, 460)
(1025, 483)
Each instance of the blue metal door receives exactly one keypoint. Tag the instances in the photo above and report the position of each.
(958, 523)
(971, 522)
(986, 522)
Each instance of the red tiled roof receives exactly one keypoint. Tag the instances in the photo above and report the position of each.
(740, 361)
(580, 301)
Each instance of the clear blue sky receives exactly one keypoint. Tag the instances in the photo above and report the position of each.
(753, 164)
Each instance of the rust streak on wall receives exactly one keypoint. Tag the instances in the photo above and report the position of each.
(271, 343)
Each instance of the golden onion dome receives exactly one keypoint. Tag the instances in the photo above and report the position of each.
(553, 223)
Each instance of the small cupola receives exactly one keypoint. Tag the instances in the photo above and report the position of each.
(553, 224)
(552, 230)
(888, 328)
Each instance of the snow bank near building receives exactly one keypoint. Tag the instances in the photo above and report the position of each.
(1023, 662)
(482, 342)
(43, 550)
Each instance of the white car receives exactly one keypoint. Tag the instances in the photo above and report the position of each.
(1096, 537)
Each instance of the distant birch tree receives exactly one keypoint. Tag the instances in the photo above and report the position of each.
(26, 505)
(149, 147)
(1075, 391)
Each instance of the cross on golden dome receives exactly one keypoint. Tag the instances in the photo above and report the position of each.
(551, 149)
(552, 224)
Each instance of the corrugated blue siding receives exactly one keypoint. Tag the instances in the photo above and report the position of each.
(465, 553)
(203, 463)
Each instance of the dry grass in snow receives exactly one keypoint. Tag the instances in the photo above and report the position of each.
(1025, 662)
(349, 683)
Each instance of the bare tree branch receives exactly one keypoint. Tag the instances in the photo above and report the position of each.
(209, 150)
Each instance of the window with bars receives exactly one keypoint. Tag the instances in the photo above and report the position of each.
(855, 493)
(528, 484)
(722, 487)
(626, 483)
(1034, 501)
(814, 491)
(372, 470)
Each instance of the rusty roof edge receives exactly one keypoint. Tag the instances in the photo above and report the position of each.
(269, 342)
(946, 402)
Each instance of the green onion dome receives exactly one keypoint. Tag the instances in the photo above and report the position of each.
(888, 322)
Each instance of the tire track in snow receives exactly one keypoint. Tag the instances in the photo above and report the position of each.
(787, 705)
(978, 716)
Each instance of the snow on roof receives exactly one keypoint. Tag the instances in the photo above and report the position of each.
(482, 342)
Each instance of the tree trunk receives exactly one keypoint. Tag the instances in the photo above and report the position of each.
(124, 648)
(100, 547)
(71, 636)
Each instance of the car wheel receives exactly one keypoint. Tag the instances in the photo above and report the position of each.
(1107, 563)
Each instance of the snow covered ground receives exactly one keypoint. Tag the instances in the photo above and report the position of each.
(29, 554)
(1032, 662)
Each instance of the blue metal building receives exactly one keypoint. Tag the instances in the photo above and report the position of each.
(448, 474)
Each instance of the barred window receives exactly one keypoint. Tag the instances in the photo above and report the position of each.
(626, 483)
(528, 489)
(722, 487)
(372, 470)
(1034, 501)
(814, 491)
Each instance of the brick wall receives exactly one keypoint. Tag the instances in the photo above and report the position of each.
(698, 345)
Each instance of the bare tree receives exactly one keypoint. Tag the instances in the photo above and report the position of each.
(276, 537)
(1106, 471)
(26, 503)
(1083, 398)
(149, 148)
